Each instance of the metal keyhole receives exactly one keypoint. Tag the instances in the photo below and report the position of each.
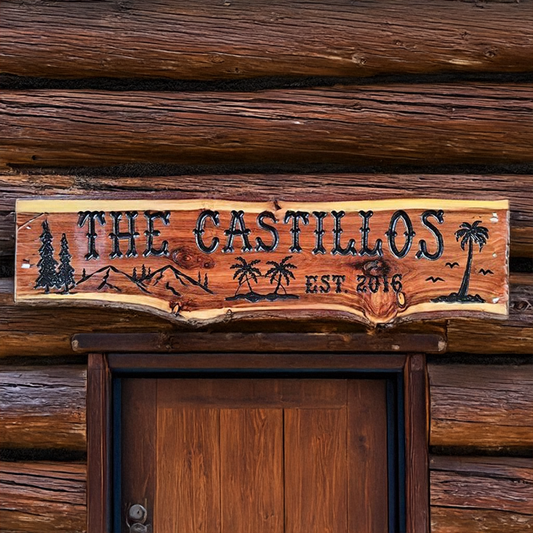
(137, 514)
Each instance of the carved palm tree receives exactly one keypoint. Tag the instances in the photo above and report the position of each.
(279, 272)
(245, 271)
(470, 235)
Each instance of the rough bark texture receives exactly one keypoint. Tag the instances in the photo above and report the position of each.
(232, 40)
(42, 497)
(481, 494)
(43, 407)
(406, 124)
(481, 406)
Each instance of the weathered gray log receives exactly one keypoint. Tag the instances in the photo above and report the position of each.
(488, 407)
(481, 495)
(517, 188)
(43, 407)
(231, 40)
(42, 497)
(472, 123)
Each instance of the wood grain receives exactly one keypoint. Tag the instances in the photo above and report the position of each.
(471, 123)
(24, 332)
(216, 262)
(487, 407)
(43, 407)
(258, 38)
(188, 481)
(481, 494)
(367, 452)
(99, 445)
(416, 406)
(138, 410)
(42, 497)
(316, 473)
(251, 451)
(489, 337)
(518, 189)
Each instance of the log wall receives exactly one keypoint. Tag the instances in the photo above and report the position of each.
(270, 100)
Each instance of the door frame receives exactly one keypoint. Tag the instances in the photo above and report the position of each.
(103, 367)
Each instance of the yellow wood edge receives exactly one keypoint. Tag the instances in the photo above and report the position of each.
(141, 302)
(69, 206)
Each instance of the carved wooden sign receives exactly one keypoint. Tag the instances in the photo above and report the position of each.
(197, 260)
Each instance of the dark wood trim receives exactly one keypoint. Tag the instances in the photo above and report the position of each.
(416, 444)
(214, 361)
(98, 444)
(191, 342)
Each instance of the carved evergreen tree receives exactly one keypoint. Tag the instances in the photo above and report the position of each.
(66, 272)
(47, 278)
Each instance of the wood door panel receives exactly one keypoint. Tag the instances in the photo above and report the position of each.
(257, 455)
(253, 393)
(367, 456)
(251, 449)
(316, 473)
(187, 498)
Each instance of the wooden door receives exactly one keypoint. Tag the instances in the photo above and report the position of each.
(256, 455)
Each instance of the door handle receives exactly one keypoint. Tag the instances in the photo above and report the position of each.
(136, 518)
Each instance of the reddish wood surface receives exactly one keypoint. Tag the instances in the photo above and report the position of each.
(367, 431)
(188, 487)
(43, 407)
(251, 451)
(395, 125)
(316, 471)
(481, 494)
(487, 407)
(234, 454)
(42, 497)
(258, 38)
(210, 269)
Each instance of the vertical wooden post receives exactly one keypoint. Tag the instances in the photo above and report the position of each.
(98, 444)
(416, 444)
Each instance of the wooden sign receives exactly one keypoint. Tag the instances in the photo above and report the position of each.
(198, 260)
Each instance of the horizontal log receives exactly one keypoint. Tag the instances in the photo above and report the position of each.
(42, 497)
(488, 407)
(431, 342)
(481, 494)
(489, 337)
(371, 125)
(43, 407)
(25, 332)
(205, 40)
(518, 189)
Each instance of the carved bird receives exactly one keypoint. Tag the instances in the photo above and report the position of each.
(434, 280)
(485, 272)
(452, 265)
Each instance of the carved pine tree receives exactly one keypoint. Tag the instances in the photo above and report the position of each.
(66, 272)
(47, 278)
